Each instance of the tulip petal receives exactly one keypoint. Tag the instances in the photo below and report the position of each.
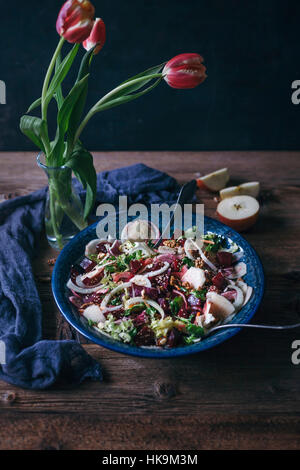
(75, 20)
(185, 71)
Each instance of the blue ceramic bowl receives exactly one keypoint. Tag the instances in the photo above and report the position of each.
(75, 249)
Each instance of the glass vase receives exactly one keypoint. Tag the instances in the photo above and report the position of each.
(64, 210)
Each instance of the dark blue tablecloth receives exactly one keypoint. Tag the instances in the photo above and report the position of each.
(30, 361)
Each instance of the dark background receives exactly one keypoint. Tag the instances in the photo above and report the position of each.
(251, 50)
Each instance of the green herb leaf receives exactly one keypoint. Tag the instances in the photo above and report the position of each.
(200, 294)
(189, 262)
(176, 304)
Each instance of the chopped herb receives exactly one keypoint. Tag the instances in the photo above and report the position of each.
(219, 242)
(189, 262)
(176, 304)
(116, 301)
(184, 289)
(200, 294)
(195, 330)
(94, 257)
(110, 269)
(137, 307)
(150, 311)
(91, 323)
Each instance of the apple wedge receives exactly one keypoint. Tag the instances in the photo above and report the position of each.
(245, 189)
(220, 307)
(238, 212)
(214, 181)
(195, 277)
(94, 313)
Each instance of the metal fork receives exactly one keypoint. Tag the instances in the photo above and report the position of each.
(246, 325)
(185, 194)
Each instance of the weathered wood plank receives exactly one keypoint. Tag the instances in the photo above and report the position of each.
(207, 431)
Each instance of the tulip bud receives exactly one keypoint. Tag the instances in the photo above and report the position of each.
(185, 71)
(75, 20)
(97, 36)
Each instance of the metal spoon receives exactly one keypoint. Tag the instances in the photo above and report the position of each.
(242, 325)
(185, 194)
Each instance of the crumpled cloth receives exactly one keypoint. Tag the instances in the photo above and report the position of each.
(30, 361)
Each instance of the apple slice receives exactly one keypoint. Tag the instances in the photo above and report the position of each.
(220, 306)
(139, 230)
(214, 181)
(245, 189)
(94, 313)
(195, 277)
(238, 212)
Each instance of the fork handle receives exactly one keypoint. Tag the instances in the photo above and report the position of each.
(246, 325)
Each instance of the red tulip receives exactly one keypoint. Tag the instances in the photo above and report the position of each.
(75, 20)
(185, 71)
(97, 36)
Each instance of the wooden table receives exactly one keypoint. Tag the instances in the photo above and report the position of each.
(244, 394)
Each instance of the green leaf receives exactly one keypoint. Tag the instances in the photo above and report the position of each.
(34, 105)
(61, 73)
(58, 94)
(85, 64)
(81, 162)
(137, 86)
(63, 118)
(125, 99)
(78, 109)
(36, 129)
(176, 304)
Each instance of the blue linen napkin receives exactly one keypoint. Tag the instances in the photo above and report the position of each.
(32, 362)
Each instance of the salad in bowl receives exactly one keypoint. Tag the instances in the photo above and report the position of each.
(164, 295)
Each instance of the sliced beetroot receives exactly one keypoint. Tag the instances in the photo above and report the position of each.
(174, 338)
(225, 259)
(101, 247)
(144, 337)
(183, 313)
(141, 319)
(219, 280)
(135, 266)
(87, 265)
(93, 281)
(95, 297)
(150, 292)
(162, 301)
(76, 270)
(117, 314)
(115, 248)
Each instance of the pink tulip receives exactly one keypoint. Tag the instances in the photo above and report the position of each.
(97, 36)
(75, 20)
(185, 71)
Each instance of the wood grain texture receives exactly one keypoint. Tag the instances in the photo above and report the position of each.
(243, 394)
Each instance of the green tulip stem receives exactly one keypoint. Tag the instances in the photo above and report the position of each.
(48, 76)
(97, 107)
